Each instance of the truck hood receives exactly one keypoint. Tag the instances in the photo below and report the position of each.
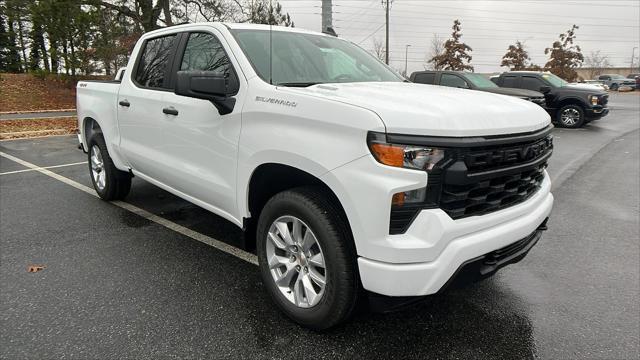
(585, 86)
(523, 93)
(418, 109)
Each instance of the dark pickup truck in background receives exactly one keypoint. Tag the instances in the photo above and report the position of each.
(569, 106)
(466, 80)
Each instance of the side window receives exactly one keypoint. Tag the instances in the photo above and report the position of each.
(453, 81)
(509, 81)
(425, 78)
(153, 62)
(205, 52)
(531, 83)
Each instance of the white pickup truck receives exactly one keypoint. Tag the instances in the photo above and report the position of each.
(348, 177)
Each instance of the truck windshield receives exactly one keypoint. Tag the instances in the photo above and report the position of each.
(480, 81)
(554, 80)
(305, 59)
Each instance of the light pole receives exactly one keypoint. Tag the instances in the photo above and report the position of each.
(406, 58)
(633, 55)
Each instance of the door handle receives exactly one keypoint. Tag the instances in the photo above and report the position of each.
(124, 102)
(170, 110)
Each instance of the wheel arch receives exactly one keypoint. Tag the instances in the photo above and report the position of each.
(271, 178)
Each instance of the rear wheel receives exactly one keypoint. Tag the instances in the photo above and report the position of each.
(109, 182)
(571, 116)
(307, 262)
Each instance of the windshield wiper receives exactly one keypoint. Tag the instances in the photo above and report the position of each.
(298, 84)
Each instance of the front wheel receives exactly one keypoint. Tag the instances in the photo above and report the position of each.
(571, 116)
(614, 87)
(109, 182)
(306, 257)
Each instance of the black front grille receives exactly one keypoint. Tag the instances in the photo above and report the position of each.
(479, 175)
(604, 99)
(492, 194)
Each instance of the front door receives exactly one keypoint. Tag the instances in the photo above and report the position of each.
(199, 144)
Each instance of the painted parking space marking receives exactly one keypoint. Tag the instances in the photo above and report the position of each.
(44, 167)
(231, 250)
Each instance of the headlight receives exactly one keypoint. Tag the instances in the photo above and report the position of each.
(594, 99)
(424, 158)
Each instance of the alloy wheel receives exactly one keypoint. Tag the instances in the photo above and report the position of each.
(296, 261)
(570, 116)
(97, 168)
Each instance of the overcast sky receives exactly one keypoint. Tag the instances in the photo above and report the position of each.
(613, 27)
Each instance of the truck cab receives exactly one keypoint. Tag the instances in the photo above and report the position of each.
(346, 179)
(472, 81)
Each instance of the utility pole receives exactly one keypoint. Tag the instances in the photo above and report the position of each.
(406, 59)
(633, 56)
(386, 45)
(327, 15)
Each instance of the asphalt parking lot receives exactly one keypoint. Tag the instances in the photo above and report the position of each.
(138, 279)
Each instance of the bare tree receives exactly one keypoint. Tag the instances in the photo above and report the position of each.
(436, 48)
(596, 63)
(378, 49)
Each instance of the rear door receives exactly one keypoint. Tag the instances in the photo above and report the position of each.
(140, 99)
(510, 81)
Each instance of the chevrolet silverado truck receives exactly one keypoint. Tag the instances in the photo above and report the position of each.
(472, 81)
(571, 106)
(349, 181)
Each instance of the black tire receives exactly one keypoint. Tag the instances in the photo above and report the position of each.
(314, 207)
(614, 87)
(117, 183)
(576, 122)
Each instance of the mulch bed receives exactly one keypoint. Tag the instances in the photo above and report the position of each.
(26, 128)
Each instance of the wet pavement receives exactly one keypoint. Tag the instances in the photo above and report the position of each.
(117, 285)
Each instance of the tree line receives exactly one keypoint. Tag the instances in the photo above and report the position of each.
(88, 36)
(564, 55)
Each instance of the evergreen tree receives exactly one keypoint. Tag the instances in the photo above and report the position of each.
(12, 57)
(263, 12)
(455, 56)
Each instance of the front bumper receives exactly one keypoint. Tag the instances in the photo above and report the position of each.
(455, 242)
(596, 112)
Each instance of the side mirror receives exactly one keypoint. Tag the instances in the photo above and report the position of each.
(545, 89)
(208, 85)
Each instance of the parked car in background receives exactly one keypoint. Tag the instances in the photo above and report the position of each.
(466, 80)
(636, 77)
(615, 81)
(569, 106)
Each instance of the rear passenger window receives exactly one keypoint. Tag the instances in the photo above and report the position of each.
(205, 53)
(532, 83)
(424, 78)
(509, 81)
(153, 63)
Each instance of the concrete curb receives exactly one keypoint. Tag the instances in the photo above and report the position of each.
(35, 111)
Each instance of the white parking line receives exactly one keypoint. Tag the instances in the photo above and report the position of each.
(241, 254)
(44, 167)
